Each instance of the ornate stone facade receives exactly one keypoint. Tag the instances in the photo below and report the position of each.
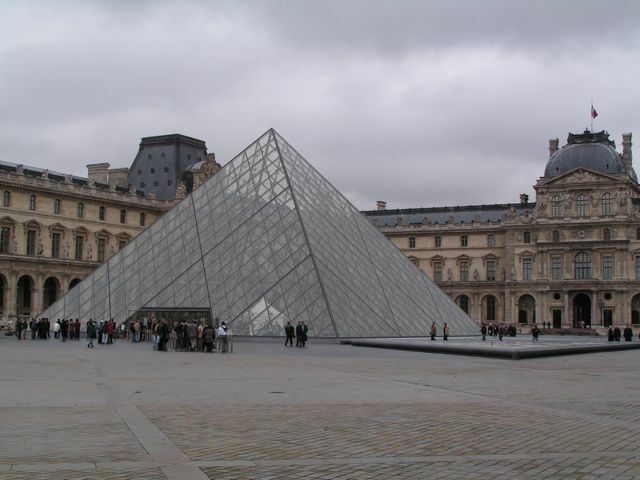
(55, 229)
(572, 258)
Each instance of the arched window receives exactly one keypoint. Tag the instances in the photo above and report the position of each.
(607, 204)
(582, 266)
(582, 204)
(463, 303)
(490, 308)
(556, 206)
(438, 241)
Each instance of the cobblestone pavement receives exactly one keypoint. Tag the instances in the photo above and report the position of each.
(327, 412)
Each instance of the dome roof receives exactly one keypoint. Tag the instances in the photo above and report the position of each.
(593, 151)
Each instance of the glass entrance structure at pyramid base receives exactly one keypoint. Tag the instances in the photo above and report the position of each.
(265, 242)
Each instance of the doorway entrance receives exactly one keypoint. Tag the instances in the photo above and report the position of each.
(581, 310)
(557, 318)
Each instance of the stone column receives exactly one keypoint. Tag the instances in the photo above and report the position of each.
(567, 318)
(11, 295)
(595, 318)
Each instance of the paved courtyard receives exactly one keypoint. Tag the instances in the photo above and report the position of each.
(328, 411)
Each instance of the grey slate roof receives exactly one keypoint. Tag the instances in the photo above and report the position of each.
(445, 215)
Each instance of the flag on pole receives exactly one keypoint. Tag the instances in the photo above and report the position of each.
(594, 114)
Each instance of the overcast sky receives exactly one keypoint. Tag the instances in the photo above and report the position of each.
(416, 103)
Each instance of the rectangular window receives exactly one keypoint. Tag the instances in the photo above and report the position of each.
(32, 202)
(607, 267)
(101, 245)
(607, 318)
(101, 214)
(437, 271)
(464, 240)
(606, 234)
(143, 220)
(5, 239)
(638, 267)
(491, 240)
(556, 267)
(526, 237)
(438, 241)
(6, 199)
(464, 271)
(526, 268)
(123, 216)
(491, 270)
(55, 245)
(31, 242)
(80, 210)
(56, 206)
(79, 245)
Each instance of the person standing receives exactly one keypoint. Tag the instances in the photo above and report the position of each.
(298, 334)
(535, 331)
(64, 329)
(207, 335)
(289, 331)
(628, 333)
(483, 331)
(223, 334)
(610, 334)
(200, 344)
(305, 330)
(434, 330)
(76, 329)
(445, 332)
(91, 332)
(19, 329)
(616, 334)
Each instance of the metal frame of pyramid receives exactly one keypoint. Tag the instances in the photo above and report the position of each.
(266, 241)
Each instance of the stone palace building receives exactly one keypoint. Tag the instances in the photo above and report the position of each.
(55, 229)
(571, 258)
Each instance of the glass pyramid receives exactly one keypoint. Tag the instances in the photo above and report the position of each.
(266, 241)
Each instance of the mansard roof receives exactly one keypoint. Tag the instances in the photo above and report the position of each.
(446, 215)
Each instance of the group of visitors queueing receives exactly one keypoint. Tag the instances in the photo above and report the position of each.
(182, 336)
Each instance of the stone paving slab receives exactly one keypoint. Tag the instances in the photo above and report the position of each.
(323, 412)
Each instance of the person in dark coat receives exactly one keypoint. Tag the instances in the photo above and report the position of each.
(64, 330)
(628, 333)
(535, 331)
(483, 331)
(610, 334)
(91, 332)
(299, 334)
(616, 334)
(289, 331)
(19, 329)
(305, 329)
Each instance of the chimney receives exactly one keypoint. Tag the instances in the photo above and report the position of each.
(119, 176)
(524, 199)
(626, 152)
(381, 205)
(98, 172)
(553, 146)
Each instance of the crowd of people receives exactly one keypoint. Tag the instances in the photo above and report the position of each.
(499, 330)
(181, 336)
